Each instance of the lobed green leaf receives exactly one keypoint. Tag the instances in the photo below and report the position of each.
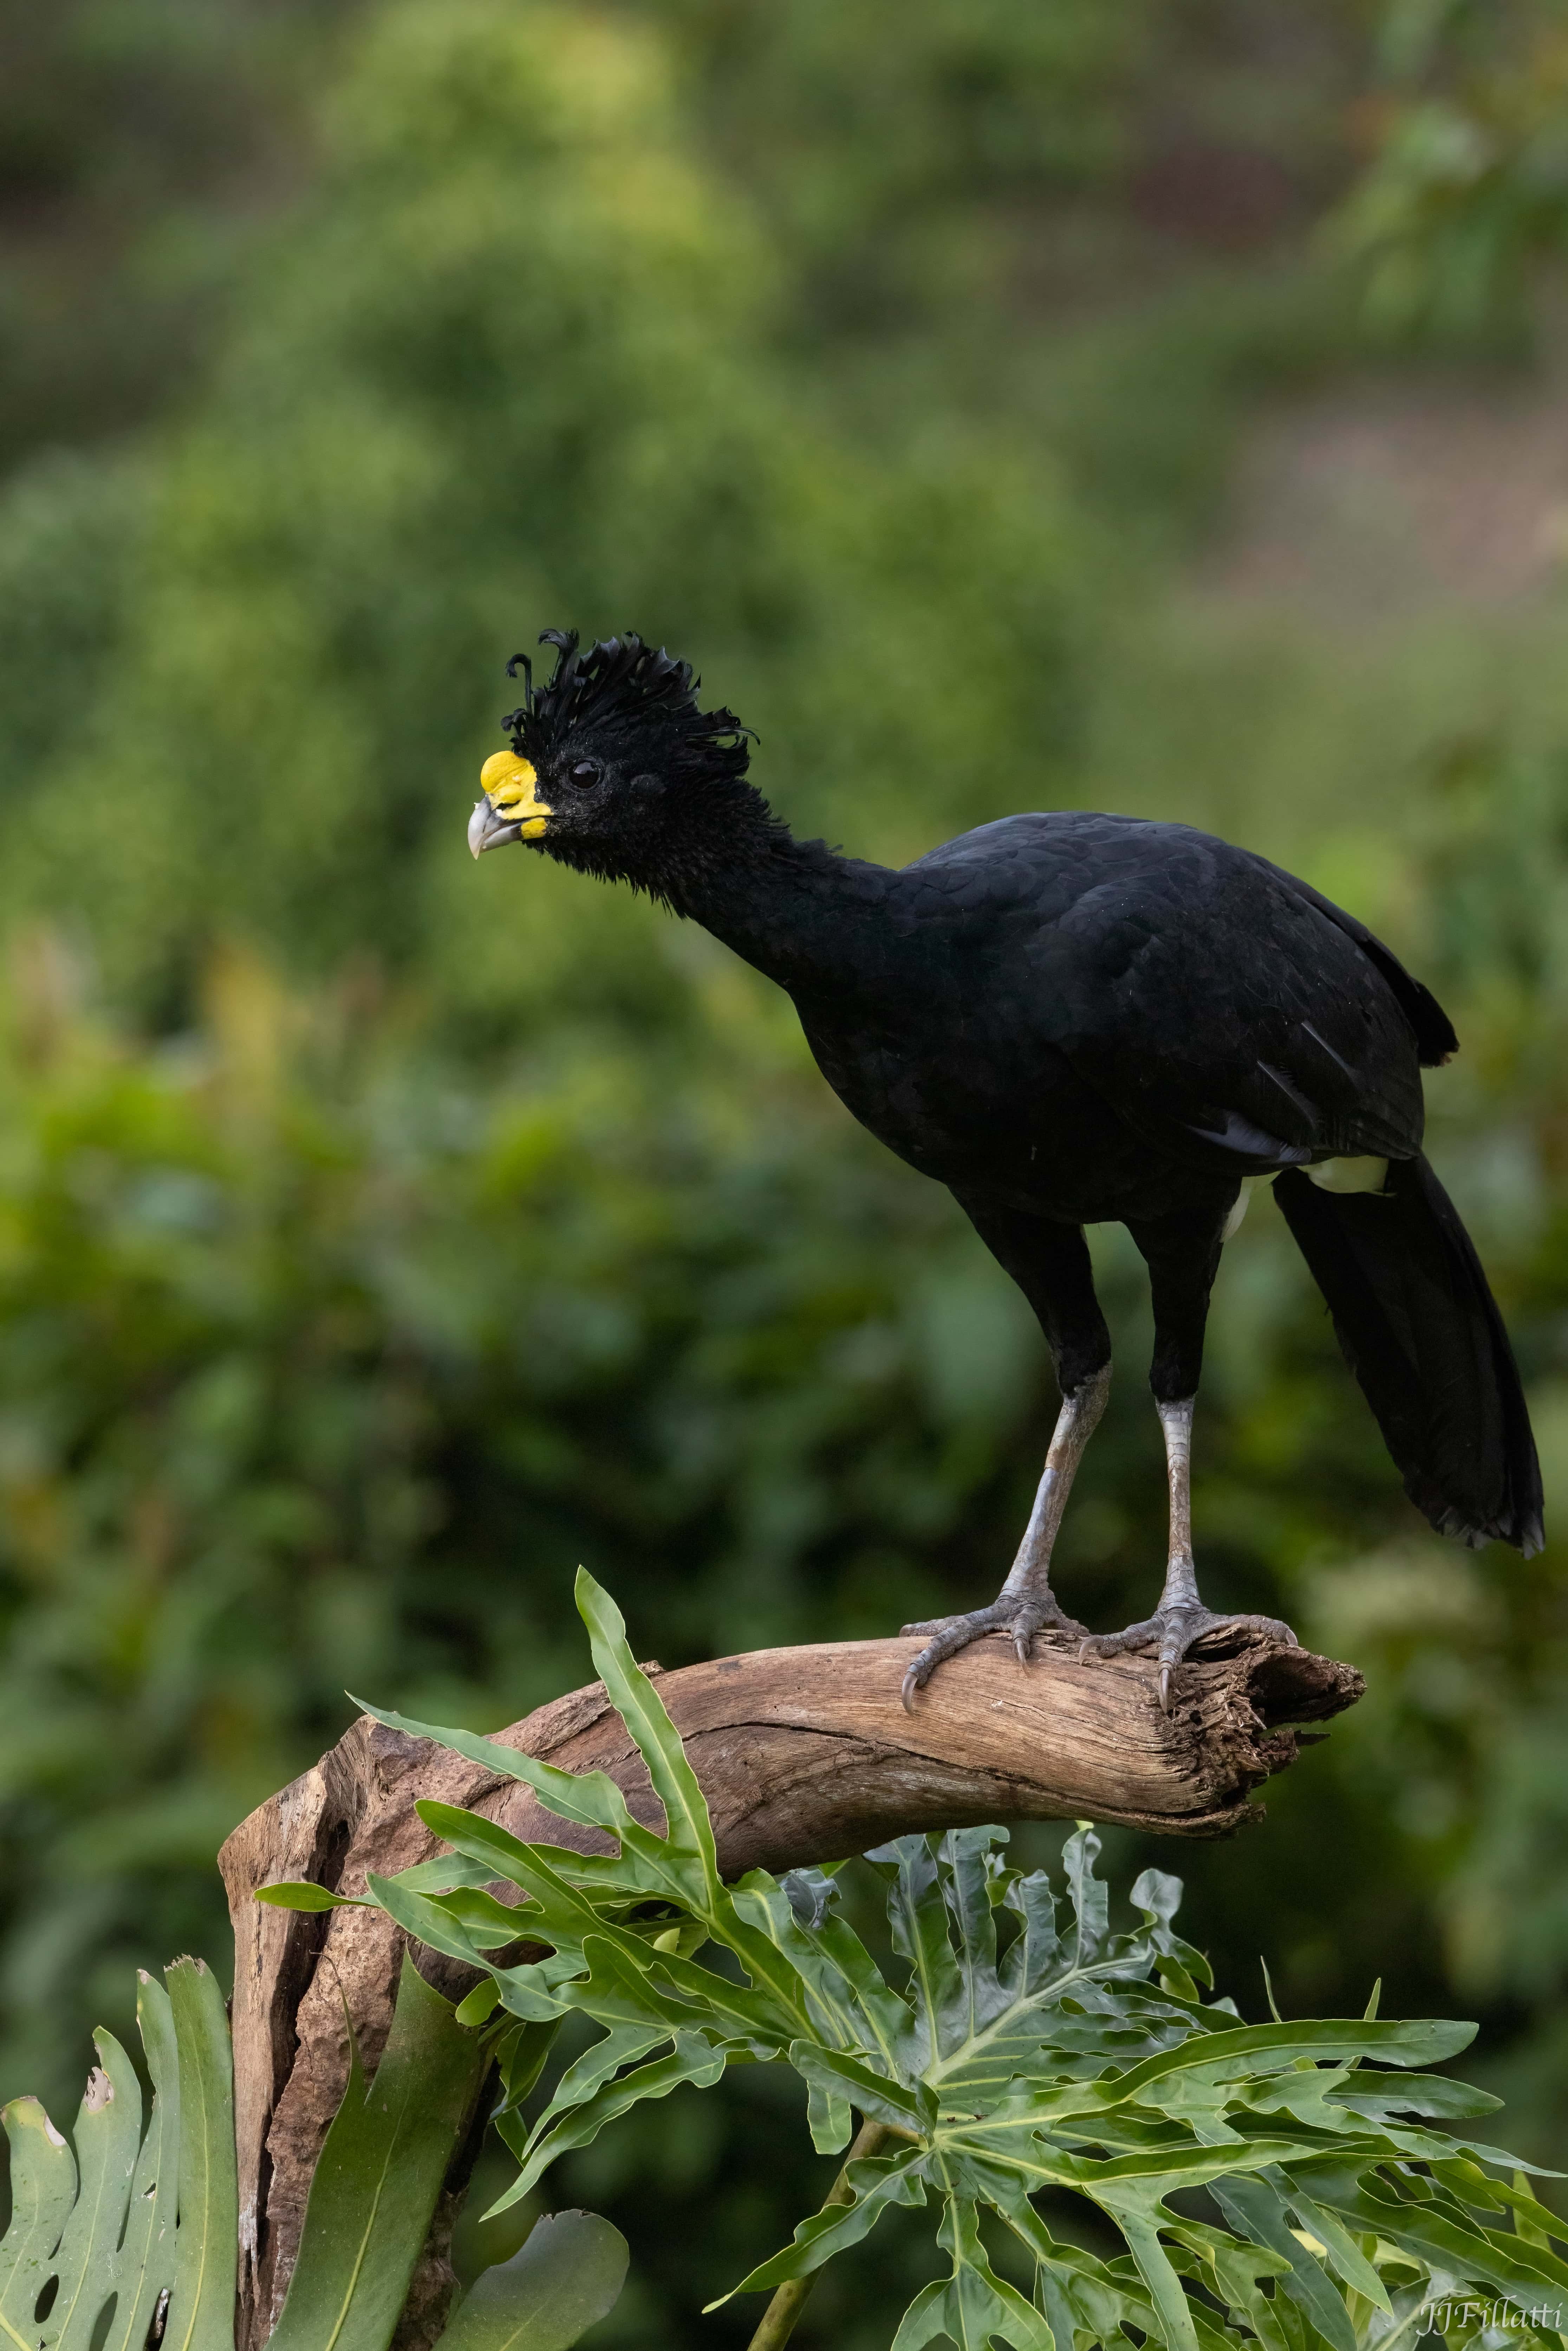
(590, 1798)
(378, 2178)
(299, 1894)
(877, 2182)
(201, 2296)
(1009, 2063)
(568, 2276)
(688, 1828)
(691, 2059)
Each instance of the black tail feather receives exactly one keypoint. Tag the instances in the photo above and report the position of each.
(1421, 1331)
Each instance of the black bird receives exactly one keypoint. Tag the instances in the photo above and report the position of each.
(1074, 1019)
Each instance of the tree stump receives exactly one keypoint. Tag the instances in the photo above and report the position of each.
(804, 1755)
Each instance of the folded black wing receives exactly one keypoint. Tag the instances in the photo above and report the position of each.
(1226, 1012)
(1436, 1040)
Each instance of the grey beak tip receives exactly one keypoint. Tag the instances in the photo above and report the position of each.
(481, 826)
(488, 828)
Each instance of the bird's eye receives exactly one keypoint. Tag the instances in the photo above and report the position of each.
(584, 774)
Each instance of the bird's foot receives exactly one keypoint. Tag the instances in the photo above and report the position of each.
(1173, 1631)
(1023, 1616)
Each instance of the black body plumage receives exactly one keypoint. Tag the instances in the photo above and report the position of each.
(1071, 1019)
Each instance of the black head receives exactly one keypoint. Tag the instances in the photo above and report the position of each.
(614, 769)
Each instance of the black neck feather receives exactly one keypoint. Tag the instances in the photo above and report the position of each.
(793, 909)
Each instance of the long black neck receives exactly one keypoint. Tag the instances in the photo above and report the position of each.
(807, 918)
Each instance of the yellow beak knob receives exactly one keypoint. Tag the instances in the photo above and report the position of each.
(511, 809)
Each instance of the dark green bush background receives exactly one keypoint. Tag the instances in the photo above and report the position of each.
(380, 1235)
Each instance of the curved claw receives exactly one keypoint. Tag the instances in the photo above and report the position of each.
(950, 1635)
(1020, 1618)
(1174, 1631)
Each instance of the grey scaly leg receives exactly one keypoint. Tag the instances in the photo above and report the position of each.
(1180, 1617)
(1025, 1602)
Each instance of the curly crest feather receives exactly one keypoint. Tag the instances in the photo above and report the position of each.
(623, 688)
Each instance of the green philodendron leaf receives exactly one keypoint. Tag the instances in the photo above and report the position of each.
(1517, 2267)
(496, 1925)
(847, 2001)
(430, 1919)
(879, 2181)
(921, 1934)
(43, 2191)
(108, 2136)
(131, 2216)
(1014, 2057)
(910, 2109)
(477, 1839)
(1339, 2248)
(1529, 2219)
(1075, 2290)
(974, 2307)
(201, 2297)
(590, 1798)
(1158, 2273)
(629, 1691)
(480, 2004)
(567, 2277)
(1035, 1952)
(1375, 2096)
(1263, 2048)
(378, 2177)
(1089, 1895)
(691, 2060)
(520, 2056)
(1255, 2210)
(634, 1981)
(444, 1871)
(623, 2044)
(830, 2118)
(298, 1894)
(150, 2220)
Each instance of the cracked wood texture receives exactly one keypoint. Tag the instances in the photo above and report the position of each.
(803, 1754)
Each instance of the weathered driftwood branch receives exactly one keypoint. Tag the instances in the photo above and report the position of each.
(803, 1754)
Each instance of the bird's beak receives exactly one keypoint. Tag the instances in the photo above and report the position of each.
(510, 809)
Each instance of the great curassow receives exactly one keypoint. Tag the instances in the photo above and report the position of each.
(1072, 1019)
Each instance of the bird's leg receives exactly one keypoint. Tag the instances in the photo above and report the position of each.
(1025, 1602)
(1180, 1617)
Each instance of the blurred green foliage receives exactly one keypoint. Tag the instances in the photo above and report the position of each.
(381, 1236)
(1466, 195)
(142, 141)
(505, 364)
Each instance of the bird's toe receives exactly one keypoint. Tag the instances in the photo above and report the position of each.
(1274, 1628)
(1021, 1619)
(1172, 1634)
(1031, 1616)
(1116, 1645)
(948, 1636)
(1183, 1628)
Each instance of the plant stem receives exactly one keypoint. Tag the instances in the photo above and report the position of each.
(779, 2318)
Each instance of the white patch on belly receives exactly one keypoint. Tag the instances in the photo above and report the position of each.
(1348, 1174)
(1329, 1175)
(1243, 1202)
